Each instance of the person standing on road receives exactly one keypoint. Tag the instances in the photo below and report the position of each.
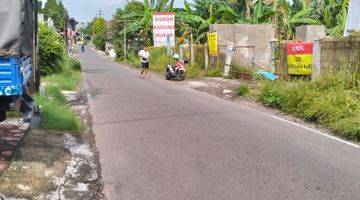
(144, 55)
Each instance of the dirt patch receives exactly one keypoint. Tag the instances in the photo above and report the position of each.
(39, 159)
(226, 89)
(55, 165)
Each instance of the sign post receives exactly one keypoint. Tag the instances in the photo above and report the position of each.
(164, 29)
(213, 46)
(300, 58)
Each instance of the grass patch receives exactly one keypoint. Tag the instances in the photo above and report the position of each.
(64, 81)
(57, 115)
(243, 90)
(54, 93)
(329, 102)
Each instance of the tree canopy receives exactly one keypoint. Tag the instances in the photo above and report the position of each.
(56, 11)
(99, 32)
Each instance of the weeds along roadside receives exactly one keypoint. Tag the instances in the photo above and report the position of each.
(59, 72)
(56, 114)
(329, 102)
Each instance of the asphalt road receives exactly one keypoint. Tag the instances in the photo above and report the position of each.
(161, 141)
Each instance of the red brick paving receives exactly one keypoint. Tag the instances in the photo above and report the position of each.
(10, 137)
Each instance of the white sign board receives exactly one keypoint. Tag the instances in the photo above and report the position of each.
(164, 29)
(40, 18)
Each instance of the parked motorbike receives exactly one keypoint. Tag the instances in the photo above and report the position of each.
(177, 71)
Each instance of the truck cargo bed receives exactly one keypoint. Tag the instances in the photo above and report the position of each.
(14, 75)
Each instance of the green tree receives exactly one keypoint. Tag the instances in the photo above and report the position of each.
(332, 14)
(99, 32)
(139, 22)
(198, 17)
(51, 50)
(57, 12)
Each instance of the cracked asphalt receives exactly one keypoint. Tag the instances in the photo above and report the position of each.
(159, 140)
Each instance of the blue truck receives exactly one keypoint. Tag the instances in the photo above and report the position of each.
(19, 74)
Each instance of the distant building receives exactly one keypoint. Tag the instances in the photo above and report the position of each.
(353, 17)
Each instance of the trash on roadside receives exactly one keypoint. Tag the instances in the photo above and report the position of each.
(227, 91)
(268, 75)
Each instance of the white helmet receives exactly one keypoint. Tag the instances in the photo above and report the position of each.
(176, 56)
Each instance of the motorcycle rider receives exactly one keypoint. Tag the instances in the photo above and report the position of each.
(179, 62)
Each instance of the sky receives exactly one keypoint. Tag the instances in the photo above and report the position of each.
(86, 10)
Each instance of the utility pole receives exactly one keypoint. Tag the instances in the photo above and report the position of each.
(125, 48)
(125, 40)
(66, 30)
(100, 13)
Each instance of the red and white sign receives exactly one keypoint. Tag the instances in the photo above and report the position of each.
(164, 29)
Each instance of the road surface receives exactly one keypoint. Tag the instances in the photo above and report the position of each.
(161, 141)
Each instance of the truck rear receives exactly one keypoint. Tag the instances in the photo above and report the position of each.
(19, 77)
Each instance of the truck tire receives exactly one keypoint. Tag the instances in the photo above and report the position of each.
(2, 116)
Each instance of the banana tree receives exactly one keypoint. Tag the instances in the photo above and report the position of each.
(198, 21)
(140, 22)
(332, 14)
(341, 19)
(262, 13)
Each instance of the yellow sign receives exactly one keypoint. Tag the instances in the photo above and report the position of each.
(300, 64)
(300, 58)
(213, 44)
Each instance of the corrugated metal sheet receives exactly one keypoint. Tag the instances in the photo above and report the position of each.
(353, 18)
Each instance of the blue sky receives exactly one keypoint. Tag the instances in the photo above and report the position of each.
(86, 10)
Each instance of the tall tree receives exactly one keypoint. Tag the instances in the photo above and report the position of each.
(56, 11)
(99, 32)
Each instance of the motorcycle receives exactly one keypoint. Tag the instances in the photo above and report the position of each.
(176, 72)
(83, 48)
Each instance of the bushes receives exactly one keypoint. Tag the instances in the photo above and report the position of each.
(61, 73)
(271, 95)
(328, 102)
(159, 59)
(51, 51)
(73, 64)
(243, 90)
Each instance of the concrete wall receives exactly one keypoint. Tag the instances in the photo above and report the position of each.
(251, 42)
(309, 33)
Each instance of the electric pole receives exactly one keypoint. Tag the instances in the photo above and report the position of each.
(125, 40)
(100, 13)
(125, 48)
